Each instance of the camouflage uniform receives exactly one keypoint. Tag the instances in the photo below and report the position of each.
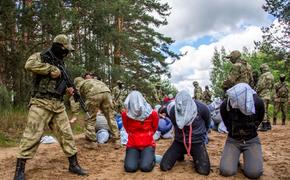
(45, 111)
(207, 95)
(197, 91)
(119, 94)
(280, 99)
(158, 94)
(98, 97)
(46, 106)
(240, 72)
(264, 88)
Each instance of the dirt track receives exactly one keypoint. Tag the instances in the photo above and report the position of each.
(107, 163)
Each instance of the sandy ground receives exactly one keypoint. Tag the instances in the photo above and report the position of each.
(107, 163)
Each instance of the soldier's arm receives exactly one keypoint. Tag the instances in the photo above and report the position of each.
(234, 74)
(259, 85)
(35, 65)
(230, 81)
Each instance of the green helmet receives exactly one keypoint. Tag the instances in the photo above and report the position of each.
(195, 83)
(282, 76)
(119, 82)
(264, 68)
(234, 55)
(63, 39)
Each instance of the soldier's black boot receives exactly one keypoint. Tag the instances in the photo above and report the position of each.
(20, 169)
(283, 121)
(268, 124)
(274, 121)
(74, 166)
(263, 126)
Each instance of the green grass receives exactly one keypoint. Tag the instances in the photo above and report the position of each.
(13, 122)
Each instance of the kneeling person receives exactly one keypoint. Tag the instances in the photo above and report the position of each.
(140, 122)
(191, 121)
(242, 112)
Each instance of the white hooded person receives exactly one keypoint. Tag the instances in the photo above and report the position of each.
(140, 122)
(242, 112)
(191, 121)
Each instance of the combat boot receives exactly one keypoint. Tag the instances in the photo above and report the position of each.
(263, 126)
(283, 122)
(274, 121)
(20, 169)
(91, 145)
(117, 144)
(268, 125)
(74, 166)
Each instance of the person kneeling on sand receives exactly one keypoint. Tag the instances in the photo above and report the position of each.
(191, 121)
(140, 122)
(242, 113)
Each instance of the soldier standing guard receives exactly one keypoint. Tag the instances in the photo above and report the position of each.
(119, 94)
(264, 88)
(197, 91)
(207, 95)
(241, 72)
(47, 107)
(158, 94)
(281, 99)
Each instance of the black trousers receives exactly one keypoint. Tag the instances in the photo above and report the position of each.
(139, 159)
(176, 152)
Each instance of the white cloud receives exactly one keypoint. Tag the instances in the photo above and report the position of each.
(192, 19)
(196, 64)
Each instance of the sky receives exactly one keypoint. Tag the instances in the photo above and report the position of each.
(198, 26)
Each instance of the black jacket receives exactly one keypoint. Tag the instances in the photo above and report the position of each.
(240, 126)
(200, 125)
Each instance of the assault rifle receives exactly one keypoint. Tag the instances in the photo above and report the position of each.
(65, 81)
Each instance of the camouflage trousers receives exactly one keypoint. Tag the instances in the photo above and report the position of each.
(103, 102)
(280, 106)
(266, 105)
(38, 118)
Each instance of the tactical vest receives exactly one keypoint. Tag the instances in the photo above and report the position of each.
(282, 91)
(46, 87)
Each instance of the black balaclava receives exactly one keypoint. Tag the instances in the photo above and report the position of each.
(59, 51)
(282, 79)
(120, 85)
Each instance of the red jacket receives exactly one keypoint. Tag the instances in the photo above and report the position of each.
(140, 133)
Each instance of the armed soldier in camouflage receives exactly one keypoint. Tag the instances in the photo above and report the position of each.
(264, 88)
(197, 91)
(158, 94)
(281, 99)
(98, 97)
(119, 94)
(206, 96)
(47, 107)
(240, 72)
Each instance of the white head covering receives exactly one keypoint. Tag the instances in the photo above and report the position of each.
(241, 97)
(138, 108)
(185, 109)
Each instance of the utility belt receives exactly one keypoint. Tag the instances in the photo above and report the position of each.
(48, 96)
